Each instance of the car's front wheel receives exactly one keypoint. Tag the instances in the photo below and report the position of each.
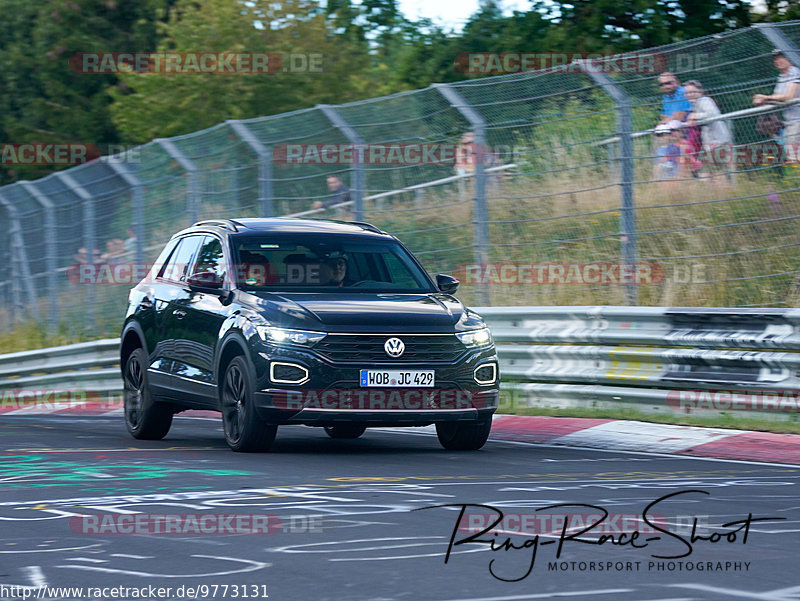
(464, 436)
(244, 431)
(144, 418)
(345, 430)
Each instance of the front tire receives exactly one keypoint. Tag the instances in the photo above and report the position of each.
(345, 431)
(244, 431)
(144, 418)
(469, 436)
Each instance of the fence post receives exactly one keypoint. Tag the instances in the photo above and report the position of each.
(480, 217)
(51, 245)
(624, 108)
(89, 242)
(192, 173)
(18, 260)
(780, 41)
(264, 153)
(357, 187)
(137, 201)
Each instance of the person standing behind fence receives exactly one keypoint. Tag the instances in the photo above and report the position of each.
(786, 88)
(675, 107)
(465, 155)
(714, 134)
(668, 137)
(339, 193)
(674, 104)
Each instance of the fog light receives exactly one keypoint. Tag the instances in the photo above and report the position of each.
(486, 373)
(287, 373)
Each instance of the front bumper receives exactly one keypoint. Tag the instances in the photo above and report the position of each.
(333, 394)
(272, 410)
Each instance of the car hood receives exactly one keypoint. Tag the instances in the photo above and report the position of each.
(359, 312)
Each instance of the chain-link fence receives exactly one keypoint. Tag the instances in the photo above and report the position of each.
(539, 188)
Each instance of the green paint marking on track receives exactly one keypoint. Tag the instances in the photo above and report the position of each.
(34, 471)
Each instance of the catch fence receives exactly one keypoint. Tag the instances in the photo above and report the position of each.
(564, 205)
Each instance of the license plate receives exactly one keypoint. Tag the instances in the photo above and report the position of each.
(392, 378)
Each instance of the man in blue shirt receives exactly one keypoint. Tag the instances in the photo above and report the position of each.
(674, 104)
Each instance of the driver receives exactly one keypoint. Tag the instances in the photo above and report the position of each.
(333, 268)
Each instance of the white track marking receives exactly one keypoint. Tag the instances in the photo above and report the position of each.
(553, 595)
(15, 552)
(36, 576)
(791, 593)
(252, 567)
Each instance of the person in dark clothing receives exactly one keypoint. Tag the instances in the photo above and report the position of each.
(339, 193)
(333, 268)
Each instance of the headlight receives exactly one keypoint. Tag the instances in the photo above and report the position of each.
(475, 338)
(284, 336)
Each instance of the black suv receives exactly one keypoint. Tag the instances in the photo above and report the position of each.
(293, 321)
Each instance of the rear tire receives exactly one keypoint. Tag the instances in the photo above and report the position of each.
(469, 436)
(244, 431)
(345, 431)
(145, 419)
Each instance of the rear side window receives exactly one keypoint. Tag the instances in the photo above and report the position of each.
(211, 258)
(180, 261)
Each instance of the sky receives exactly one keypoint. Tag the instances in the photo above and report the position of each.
(453, 13)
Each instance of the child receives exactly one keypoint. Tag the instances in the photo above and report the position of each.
(668, 153)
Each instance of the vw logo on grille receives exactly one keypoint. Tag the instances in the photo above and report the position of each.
(394, 347)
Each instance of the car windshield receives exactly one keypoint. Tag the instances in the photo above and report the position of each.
(321, 263)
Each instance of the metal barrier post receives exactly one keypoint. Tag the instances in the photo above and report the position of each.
(625, 125)
(481, 212)
(780, 41)
(192, 173)
(51, 244)
(17, 247)
(264, 153)
(357, 187)
(87, 202)
(137, 202)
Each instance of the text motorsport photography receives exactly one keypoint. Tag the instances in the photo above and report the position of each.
(666, 542)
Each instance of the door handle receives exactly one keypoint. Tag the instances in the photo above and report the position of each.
(179, 313)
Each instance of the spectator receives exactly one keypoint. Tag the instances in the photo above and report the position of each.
(465, 154)
(786, 88)
(674, 105)
(714, 134)
(115, 251)
(339, 193)
(130, 242)
(668, 137)
(82, 256)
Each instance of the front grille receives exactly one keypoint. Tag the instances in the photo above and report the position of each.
(348, 348)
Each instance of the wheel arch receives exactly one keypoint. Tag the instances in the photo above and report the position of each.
(132, 338)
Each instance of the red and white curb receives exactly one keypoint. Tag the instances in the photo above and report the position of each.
(608, 434)
(621, 435)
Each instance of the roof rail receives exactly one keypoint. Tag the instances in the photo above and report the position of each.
(228, 224)
(367, 226)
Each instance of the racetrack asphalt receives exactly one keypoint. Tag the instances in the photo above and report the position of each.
(355, 519)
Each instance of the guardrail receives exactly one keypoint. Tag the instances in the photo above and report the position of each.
(89, 366)
(700, 361)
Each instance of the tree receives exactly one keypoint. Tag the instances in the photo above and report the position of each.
(167, 104)
(44, 100)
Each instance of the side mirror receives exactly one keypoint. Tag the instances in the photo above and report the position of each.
(447, 283)
(204, 281)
